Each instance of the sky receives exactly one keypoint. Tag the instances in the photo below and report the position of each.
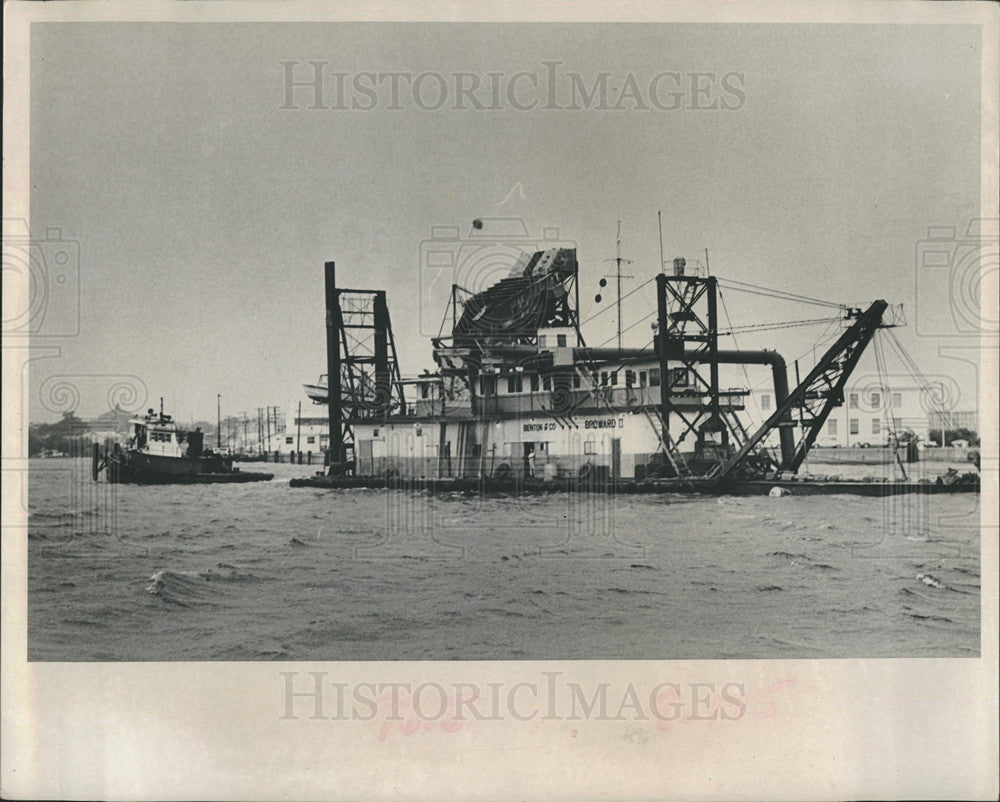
(204, 195)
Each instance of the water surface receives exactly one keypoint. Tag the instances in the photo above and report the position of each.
(264, 571)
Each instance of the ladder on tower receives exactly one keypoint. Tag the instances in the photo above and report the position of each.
(669, 448)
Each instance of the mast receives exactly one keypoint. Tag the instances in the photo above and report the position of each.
(618, 274)
(618, 265)
(659, 221)
(218, 421)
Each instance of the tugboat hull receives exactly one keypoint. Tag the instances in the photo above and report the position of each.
(149, 469)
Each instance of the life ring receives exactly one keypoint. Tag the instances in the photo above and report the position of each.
(585, 470)
(502, 470)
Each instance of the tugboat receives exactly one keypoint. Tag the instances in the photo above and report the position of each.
(158, 452)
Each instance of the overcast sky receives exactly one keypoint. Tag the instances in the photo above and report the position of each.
(205, 211)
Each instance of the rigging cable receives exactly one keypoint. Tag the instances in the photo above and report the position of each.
(746, 373)
(924, 383)
(755, 289)
(886, 390)
(626, 295)
(774, 326)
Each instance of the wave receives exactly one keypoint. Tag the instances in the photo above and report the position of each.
(233, 574)
(187, 588)
(182, 588)
(83, 622)
(61, 516)
(940, 618)
(930, 581)
(802, 559)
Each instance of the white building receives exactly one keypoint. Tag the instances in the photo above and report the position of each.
(870, 414)
(308, 433)
(949, 420)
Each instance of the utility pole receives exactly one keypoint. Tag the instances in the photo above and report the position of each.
(298, 429)
(618, 264)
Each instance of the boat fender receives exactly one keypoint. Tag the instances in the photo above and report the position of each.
(778, 492)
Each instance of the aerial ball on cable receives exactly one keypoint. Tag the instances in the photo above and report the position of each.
(603, 282)
(597, 299)
(477, 224)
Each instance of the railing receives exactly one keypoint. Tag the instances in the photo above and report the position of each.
(600, 398)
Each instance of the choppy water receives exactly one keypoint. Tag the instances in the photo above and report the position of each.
(262, 571)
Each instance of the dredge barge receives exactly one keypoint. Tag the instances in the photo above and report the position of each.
(519, 402)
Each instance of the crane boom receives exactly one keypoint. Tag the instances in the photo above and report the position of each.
(816, 396)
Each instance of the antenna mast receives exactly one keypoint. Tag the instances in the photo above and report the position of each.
(618, 265)
(659, 221)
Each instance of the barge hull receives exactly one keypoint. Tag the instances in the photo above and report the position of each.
(685, 486)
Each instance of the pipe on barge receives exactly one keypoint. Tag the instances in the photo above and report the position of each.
(779, 373)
